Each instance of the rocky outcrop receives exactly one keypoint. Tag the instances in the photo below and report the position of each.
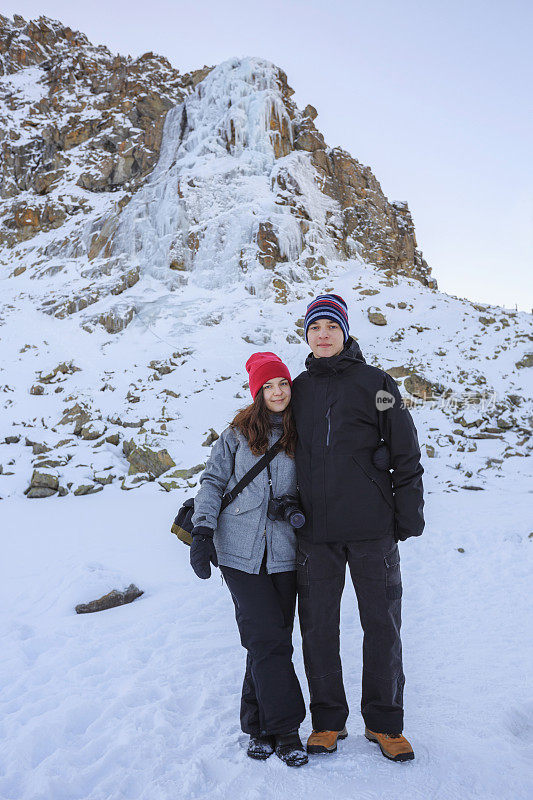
(109, 278)
(380, 232)
(112, 106)
(143, 459)
(268, 245)
(42, 484)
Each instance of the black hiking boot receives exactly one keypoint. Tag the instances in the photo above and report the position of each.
(260, 747)
(289, 748)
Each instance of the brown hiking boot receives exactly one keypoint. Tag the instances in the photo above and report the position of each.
(393, 745)
(325, 741)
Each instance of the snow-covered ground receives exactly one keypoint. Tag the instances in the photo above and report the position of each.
(142, 701)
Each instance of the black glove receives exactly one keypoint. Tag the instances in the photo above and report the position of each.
(203, 552)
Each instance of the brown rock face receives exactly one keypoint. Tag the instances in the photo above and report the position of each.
(25, 221)
(269, 253)
(130, 97)
(382, 233)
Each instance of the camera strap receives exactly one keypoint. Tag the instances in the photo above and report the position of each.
(230, 496)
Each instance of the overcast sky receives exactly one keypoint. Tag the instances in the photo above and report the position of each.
(434, 96)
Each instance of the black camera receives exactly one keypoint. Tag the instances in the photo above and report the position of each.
(286, 509)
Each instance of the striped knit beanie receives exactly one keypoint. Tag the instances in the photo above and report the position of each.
(328, 306)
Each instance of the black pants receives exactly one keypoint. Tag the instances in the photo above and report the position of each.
(375, 571)
(272, 700)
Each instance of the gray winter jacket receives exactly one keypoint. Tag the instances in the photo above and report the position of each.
(243, 530)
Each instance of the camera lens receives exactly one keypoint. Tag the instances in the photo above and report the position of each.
(296, 519)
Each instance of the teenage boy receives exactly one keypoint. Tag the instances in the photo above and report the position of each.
(355, 514)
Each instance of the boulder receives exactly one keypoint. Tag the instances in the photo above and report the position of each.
(87, 488)
(104, 478)
(398, 372)
(469, 419)
(117, 318)
(212, 437)
(45, 479)
(63, 369)
(526, 361)
(419, 387)
(77, 416)
(42, 484)
(37, 449)
(185, 474)
(110, 600)
(143, 459)
(376, 317)
(49, 463)
(37, 492)
(93, 430)
(135, 481)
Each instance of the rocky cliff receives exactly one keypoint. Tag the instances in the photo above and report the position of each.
(82, 129)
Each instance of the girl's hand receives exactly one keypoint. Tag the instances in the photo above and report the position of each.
(203, 552)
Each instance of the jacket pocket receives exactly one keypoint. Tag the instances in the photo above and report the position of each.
(239, 525)
(393, 577)
(283, 541)
(375, 482)
(245, 501)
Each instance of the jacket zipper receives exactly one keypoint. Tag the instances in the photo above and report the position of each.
(328, 418)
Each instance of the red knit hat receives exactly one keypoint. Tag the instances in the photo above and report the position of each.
(262, 367)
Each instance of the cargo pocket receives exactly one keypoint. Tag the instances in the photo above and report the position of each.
(393, 576)
(302, 574)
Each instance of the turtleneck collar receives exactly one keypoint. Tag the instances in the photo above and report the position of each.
(276, 419)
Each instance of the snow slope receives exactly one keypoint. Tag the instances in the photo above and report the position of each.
(140, 702)
(211, 334)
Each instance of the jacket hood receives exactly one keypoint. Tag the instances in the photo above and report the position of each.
(350, 354)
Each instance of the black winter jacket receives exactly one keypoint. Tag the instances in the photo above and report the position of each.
(344, 496)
